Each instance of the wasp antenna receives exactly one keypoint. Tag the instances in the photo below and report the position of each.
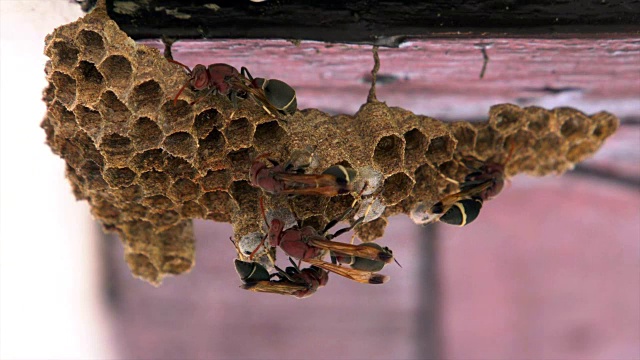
(378, 279)
(253, 253)
(263, 213)
(181, 64)
(175, 99)
(396, 260)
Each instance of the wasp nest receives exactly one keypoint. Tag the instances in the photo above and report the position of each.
(148, 166)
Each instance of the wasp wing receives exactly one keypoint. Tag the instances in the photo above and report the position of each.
(365, 277)
(365, 252)
(275, 287)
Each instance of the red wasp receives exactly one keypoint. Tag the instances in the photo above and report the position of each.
(226, 80)
(306, 244)
(285, 179)
(216, 78)
(292, 281)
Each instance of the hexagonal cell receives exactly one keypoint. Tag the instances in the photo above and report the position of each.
(180, 144)
(307, 206)
(389, 153)
(65, 87)
(245, 195)
(63, 55)
(112, 108)
(452, 170)
(338, 206)
(216, 180)
(178, 117)
(117, 71)
(176, 265)
(206, 121)
(581, 151)
(269, 135)
(145, 134)
(62, 119)
(71, 153)
(538, 120)
(520, 142)
(606, 125)
(183, 190)
(192, 210)
(92, 45)
(104, 210)
(240, 162)
(525, 163)
(158, 203)
(415, 147)
(154, 182)
(119, 177)
(218, 217)
(146, 97)
(425, 177)
(163, 220)
(371, 230)
(90, 82)
(220, 203)
(396, 187)
(92, 173)
(89, 120)
(139, 230)
(465, 134)
(127, 194)
(142, 267)
(440, 149)
(116, 149)
(133, 210)
(575, 125)
(548, 146)
(487, 141)
(239, 133)
(153, 159)
(178, 167)
(88, 148)
(506, 118)
(211, 149)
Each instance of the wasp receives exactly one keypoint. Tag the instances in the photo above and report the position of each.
(485, 181)
(286, 179)
(215, 78)
(300, 283)
(308, 245)
(226, 80)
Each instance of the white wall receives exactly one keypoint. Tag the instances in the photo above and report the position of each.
(50, 306)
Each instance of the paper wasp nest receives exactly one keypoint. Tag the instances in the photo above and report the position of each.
(148, 167)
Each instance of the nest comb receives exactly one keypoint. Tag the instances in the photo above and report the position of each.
(148, 166)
